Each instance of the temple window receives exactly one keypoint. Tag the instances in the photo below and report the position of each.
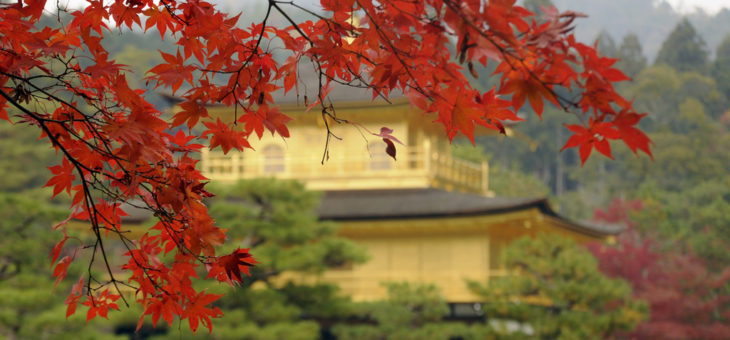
(273, 159)
(379, 160)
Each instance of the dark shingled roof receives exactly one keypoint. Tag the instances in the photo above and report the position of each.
(361, 205)
(358, 205)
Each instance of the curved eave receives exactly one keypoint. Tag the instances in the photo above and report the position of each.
(489, 208)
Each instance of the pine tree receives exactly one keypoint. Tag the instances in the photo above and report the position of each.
(632, 59)
(557, 292)
(684, 49)
(606, 44)
(721, 66)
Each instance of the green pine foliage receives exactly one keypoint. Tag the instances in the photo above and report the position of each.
(684, 49)
(278, 221)
(410, 312)
(557, 292)
(631, 56)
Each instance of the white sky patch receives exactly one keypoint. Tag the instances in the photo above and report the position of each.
(51, 5)
(709, 6)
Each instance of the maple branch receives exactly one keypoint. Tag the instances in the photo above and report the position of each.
(171, 11)
(91, 208)
(387, 40)
(311, 43)
(510, 54)
(330, 134)
(289, 19)
(88, 199)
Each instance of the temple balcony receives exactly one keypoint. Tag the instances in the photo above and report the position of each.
(416, 167)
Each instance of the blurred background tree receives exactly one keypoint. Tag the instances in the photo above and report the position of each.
(686, 298)
(684, 49)
(282, 299)
(410, 312)
(630, 55)
(558, 292)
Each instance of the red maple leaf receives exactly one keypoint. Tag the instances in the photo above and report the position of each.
(63, 179)
(228, 268)
(597, 136)
(196, 311)
(225, 137)
(100, 305)
(265, 117)
(164, 307)
(161, 19)
(74, 297)
(61, 270)
(56, 251)
(172, 73)
(191, 111)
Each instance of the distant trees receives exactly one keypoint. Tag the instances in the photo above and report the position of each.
(631, 59)
(687, 300)
(684, 49)
(630, 55)
(721, 66)
(22, 159)
(606, 44)
(684, 190)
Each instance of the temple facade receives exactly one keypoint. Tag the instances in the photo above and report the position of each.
(354, 159)
(426, 217)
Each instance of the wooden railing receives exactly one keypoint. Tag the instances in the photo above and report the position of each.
(454, 173)
(416, 168)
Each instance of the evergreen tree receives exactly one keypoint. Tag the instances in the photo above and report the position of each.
(28, 309)
(410, 312)
(630, 55)
(606, 44)
(557, 292)
(723, 50)
(684, 49)
(721, 66)
(23, 159)
(281, 299)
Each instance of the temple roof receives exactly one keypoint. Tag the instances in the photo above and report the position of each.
(364, 205)
(358, 205)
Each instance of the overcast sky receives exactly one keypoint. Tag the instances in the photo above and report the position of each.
(710, 6)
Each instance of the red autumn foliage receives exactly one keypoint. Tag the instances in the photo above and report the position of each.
(228, 268)
(686, 300)
(116, 146)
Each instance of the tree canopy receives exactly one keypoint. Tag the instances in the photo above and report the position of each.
(558, 292)
(116, 147)
(687, 300)
(630, 55)
(684, 49)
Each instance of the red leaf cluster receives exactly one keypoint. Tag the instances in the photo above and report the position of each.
(117, 147)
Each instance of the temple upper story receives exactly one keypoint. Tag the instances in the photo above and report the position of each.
(354, 158)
